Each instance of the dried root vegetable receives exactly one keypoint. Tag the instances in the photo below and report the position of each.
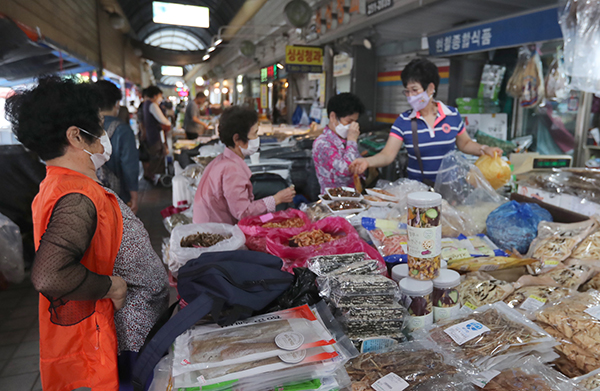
(480, 288)
(562, 276)
(295, 222)
(594, 283)
(577, 356)
(515, 379)
(568, 316)
(591, 382)
(589, 248)
(547, 293)
(202, 239)
(311, 238)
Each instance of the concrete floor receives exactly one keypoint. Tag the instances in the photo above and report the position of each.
(19, 335)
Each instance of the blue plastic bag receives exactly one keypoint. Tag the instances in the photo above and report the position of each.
(514, 225)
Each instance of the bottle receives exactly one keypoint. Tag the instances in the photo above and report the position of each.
(424, 235)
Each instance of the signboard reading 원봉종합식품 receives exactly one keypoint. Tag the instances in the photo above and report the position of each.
(537, 26)
(303, 59)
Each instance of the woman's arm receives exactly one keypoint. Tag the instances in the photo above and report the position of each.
(468, 146)
(158, 114)
(235, 191)
(382, 159)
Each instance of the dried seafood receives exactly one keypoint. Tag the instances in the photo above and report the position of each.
(562, 276)
(295, 222)
(202, 239)
(577, 356)
(480, 288)
(547, 293)
(311, 238)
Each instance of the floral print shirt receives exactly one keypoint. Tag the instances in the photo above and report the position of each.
(332, 156)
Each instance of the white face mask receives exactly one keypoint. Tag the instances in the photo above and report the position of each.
(100, 158)
(253, 146)
(419, 102)
(342, 130)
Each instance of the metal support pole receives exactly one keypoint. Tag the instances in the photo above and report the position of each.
(582, 125)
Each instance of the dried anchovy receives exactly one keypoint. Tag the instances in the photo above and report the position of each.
(324, 264)
(202, 239)
(416, 368)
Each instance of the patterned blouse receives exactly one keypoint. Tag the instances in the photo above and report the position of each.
(332, 156)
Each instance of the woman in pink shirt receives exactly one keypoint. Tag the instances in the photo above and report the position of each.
(224, 194)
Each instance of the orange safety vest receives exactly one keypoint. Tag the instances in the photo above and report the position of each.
(85, 354)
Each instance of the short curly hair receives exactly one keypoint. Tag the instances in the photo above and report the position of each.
(40, 116)
(110, 94)
(422, 71)
(236, 120)
(345, 104)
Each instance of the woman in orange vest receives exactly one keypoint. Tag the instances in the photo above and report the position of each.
(102, 286)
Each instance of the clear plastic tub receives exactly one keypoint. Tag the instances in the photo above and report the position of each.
(445, 296)
(424, 235)
(417, 300)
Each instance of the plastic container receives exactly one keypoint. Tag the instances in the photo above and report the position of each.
(424, 235)
(417, 300)
(445, 296)
(399, 272)
(443, 264)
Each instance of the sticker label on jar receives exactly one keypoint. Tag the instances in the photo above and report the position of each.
(466, 331)
(483, 378)
(376, 343)
(533, 303)
(594, 311)
(440, 313)
(390, 382)
(293, 357)
(289, 340)
(418, 322)
(424, 242)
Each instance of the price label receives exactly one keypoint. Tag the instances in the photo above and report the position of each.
(484, 378)
(466, 331)
(533, 303)
(267, 217)
(390, 382)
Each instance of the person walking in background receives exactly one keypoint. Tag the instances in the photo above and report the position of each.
(337, 147)
(102, 287)
(155, 126)
(123, 163)
(192, 124)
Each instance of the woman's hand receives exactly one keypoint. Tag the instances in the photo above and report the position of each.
(353, 132)
(359, 166)
(117, 292)
(491, 151)
(285, 196)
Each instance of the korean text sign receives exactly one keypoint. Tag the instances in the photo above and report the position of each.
(304, 59)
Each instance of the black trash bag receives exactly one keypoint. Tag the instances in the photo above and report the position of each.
(303, 291)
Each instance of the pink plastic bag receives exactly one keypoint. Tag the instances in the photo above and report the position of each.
(349, 242)
(256, 234)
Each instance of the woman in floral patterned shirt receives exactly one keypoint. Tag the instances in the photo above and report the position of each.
(337, 147)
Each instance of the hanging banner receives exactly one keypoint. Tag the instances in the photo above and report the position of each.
(303, 59)
(519, 30)
(342, 65)
(264, 96)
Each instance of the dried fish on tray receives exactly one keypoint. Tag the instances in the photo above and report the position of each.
(501, 332)
(420, 367)
(480, 288)
(261, 337)
(576, 317)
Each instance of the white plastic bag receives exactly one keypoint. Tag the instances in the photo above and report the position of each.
(180, 255)
(12, 265)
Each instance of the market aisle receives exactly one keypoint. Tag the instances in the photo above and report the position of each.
(19, 335)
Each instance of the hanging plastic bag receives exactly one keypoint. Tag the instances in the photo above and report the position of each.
(234, 240)
(533, 82)
(344, 240)
(514, 225)
(557, 82)
(494, 169)
(514, 87)
(12, 264)
(256, 228)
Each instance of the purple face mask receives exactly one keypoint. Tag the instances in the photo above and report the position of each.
(419, 102)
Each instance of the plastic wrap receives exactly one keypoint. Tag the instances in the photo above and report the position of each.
(562, 276)
(557, 82)
(425, 236)
(594, 283)
(256, 228)
(316, 211)
(480, 288)
(388, 237)
(303, 291)
(580, 25)
(513, 226)
(589, 249)
(12, 264)
(577, 318)
(591, 381)
(514, 87)
(257, 338)
(488, 336)
(422, 368)
(162, 380)
(536, 296)
(363, 290)
(533, 82)
(178, 256)
(494, 169)
(376, 322)
(555, 243)
(347, 241)
(325, 264)
(573, 358)
(177, 219)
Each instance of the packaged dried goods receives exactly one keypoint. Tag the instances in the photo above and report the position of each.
(514, 87)
(367, 321)
(533, 82)
(488, 336)
(176, 220)
(480, 288)
(202, 239)
(316, 211)
(311, 238)
(445, 296)
(594, 283)
(424, 235)
(591, 381)
(532, 298)
(576, 317)
(489, 263)
(565, 366)
(417, 366)
(580, 358)
(416, 297)
(528, 374)
(390, 240)
(325, 264)
(258, 338)
(363, 290)
(589, 249)
(561, 276)
(556, 241)
(467, 247)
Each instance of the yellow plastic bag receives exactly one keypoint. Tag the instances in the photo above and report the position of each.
(494, 169)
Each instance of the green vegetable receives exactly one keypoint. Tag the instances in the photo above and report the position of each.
(431, 213)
